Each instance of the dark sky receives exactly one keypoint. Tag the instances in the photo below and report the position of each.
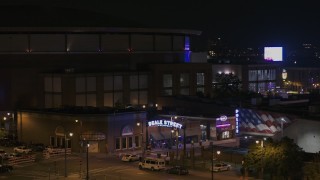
(239, 22)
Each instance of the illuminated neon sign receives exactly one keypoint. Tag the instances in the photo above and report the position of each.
(222, 118)
(165, 123)
(237, 121)
(223, 125)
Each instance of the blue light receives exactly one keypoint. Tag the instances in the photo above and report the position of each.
(187, 43)
(187, 56)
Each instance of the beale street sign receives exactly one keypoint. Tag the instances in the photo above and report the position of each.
(165, 123)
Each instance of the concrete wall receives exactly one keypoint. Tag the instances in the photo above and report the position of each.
(306, 133)
(38, 127)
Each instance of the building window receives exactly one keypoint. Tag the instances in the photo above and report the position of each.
(200, 79)
(137, 141)
(53, 92)
(134, 83)
(200, 90)
(225, 135)
(138, 86)
(167, 80)
(167, 84)
(167, 92)
(59, 142)
(203, 129)
(118, 98)
(253, 87)
(113, 87)
(143, 97)
(184, 91)
(138, 97)
(124, 143)
(184, 79)
(52, 141)
(108, 83)
(134, 97)
(86, 91)
(129, 142)
(184, 84)
(118, 143)
(118, 83)
(143, 81)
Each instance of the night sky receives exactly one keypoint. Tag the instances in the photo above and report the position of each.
(240, 23)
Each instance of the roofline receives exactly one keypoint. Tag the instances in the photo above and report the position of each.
(96, 30)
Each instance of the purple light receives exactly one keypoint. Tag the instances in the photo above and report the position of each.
(223, 125)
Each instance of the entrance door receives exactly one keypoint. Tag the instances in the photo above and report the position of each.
(94, 147)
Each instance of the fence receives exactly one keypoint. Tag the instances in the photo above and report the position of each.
(21, 159)
(55, 152)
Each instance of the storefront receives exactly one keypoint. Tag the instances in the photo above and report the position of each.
(166, 130)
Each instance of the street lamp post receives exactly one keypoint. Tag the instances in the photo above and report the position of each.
(87, 160)
(211, 160)
(65, 153)
(176, 131)
(12, 125)
(80, 144)
(282, 120)
(177, 142)
(192, 154)
(262, 152)
(142, 143)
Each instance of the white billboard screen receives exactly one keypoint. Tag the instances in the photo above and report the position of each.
(273, 53)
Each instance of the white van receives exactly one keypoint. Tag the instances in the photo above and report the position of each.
(152, 163)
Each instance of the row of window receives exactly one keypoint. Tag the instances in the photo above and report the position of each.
(128, 142)
(262, 75)
(184, 80)
(91, 42)
(262, 87)
(89, 84)
(113, 87)
(59, 141)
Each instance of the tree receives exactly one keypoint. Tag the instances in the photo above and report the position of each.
(312, 169)
(226, 84)
(276, 159)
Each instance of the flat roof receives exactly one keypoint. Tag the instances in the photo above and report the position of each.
(96, 30)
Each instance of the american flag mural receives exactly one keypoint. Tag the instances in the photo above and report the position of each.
(261, 122)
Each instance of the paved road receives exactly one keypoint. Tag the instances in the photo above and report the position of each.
(101, 167)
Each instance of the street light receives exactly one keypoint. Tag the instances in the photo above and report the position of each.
(65, 152)
(218, 153)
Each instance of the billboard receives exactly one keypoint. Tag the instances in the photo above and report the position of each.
(273, 53)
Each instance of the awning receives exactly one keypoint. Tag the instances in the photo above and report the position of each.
(93, 136)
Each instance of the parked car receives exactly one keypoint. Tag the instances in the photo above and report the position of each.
(152, 164)
(130, 157)
(221, 167)
(5, 168)
(3, 154)
(13, 155)
(38, 147)
(180, 170)
(22, 149)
